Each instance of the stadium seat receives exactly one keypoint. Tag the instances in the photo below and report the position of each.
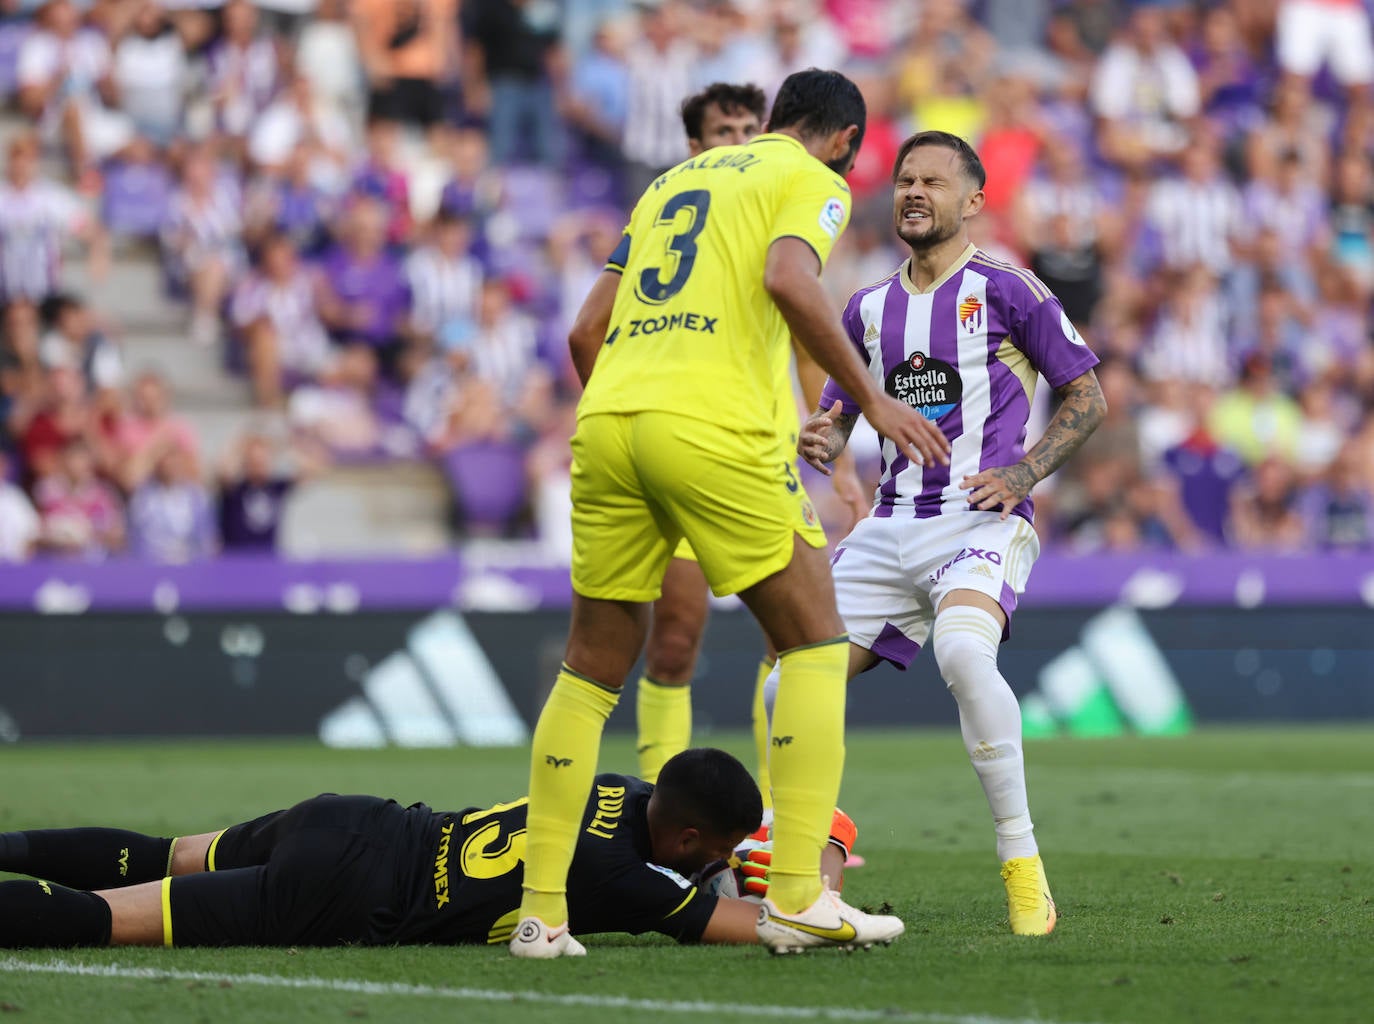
(592, 186)
(488, 482)
(12, 35)
(533, 197)
(135, 197)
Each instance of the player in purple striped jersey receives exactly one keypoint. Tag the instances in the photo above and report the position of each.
(947, 549)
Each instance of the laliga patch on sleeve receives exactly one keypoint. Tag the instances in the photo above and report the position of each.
(1069, 330)
(832, 217)
(682, 883)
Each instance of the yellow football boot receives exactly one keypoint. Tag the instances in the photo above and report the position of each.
(1029, 903)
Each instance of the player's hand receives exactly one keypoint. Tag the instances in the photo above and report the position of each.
(756, 870)
(1002, 486)
(916, 437)
(815, 443)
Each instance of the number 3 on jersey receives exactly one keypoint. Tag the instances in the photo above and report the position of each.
(681, 251)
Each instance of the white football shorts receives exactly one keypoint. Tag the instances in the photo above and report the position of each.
(891, 574)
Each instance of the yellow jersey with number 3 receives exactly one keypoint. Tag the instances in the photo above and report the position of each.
(693, 331)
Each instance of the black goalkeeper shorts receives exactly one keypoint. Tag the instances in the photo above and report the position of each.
(309, 876)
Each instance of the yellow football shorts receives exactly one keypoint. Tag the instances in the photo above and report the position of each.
(642, 482)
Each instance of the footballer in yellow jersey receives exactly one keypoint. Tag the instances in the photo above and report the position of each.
(693, 329)
(677, 437)
(695, 333)
(723, 114)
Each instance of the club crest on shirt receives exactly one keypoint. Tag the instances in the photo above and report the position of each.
(930, 386)
(971, 313)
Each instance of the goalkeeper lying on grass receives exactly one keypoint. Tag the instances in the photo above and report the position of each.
(360, 869)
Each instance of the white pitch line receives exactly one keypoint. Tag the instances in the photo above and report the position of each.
(486, 995)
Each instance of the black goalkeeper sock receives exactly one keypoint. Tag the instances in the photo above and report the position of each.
(86, 858)
(45, 914)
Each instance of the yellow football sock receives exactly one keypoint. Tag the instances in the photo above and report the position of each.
(807, 761)
(567, 740)
(664, 714)
(761, 733)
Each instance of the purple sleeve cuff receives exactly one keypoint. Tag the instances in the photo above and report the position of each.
(1053, 344)
(1070, 371)
(833, 393)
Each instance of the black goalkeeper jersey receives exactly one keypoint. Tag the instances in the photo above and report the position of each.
(460, 881)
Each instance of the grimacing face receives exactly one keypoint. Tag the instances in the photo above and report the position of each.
(930, 196)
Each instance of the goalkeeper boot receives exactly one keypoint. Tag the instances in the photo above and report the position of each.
(534, 940)
(1030, 906)
(830, 921)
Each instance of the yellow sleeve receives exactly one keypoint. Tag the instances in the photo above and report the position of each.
(815, 208)
(620, 258)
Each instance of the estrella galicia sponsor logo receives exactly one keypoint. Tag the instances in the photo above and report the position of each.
(698, 322)
(995, 557)
(930, 386)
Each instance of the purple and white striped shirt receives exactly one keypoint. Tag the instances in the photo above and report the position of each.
(34, 222)
(195, 229)
(965, 353)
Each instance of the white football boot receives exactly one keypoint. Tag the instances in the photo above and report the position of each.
(534, 940)
(830, 921)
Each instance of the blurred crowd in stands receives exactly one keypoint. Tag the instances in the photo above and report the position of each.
(385, 213)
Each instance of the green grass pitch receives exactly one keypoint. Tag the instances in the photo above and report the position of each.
(1226, 876)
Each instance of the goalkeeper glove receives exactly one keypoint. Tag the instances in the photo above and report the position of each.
(754, 871)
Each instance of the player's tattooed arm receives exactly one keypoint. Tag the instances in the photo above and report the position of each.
(824, 436)
(1081, 408)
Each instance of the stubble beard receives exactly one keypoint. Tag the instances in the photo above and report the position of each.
(923, 241)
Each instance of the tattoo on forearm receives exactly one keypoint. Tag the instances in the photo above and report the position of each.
(1082, 407)
(839, 434)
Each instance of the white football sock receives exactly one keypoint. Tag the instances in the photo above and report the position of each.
(965, 641)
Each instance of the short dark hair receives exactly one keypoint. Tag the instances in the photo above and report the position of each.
(973, 167)
(57, 305)
(730, 98)
(708, 789)
(816, 102)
